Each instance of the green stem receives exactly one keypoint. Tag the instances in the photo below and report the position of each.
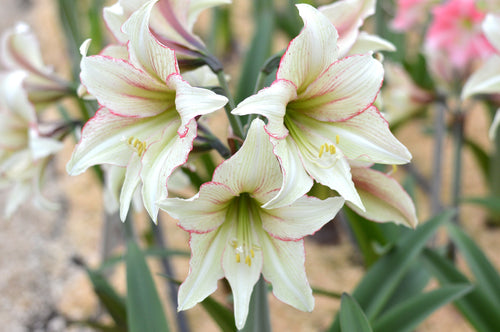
(234, 121)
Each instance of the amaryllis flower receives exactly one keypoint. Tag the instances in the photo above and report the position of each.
(171, 22)
(147, 117)
(20, 50)
(232, 236)
(25, 148)
(383, 198)
(348, 16)
(411, 13)
(320, 113)
(487, 78)
(455, 41)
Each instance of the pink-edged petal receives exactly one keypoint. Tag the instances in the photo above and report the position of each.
(105, 139)
(296, 181)
(348, 87)
(312, 51)
(348, 16)
(366, 137)
(370, 43)
(203, 212)
(145, 51)
(383, 197)
(13, 96)
(304, 217)
(19, 194)
(270, 102)
(130, 184)
(241, 276)
(191, 102)
(336, 177)
(160, 160)
(124, 89)
(484, 80)
(43, 146)
(197, 6)
(284, 269)
(204, 267)
(20, 49)
(491, 28)
(254, 168)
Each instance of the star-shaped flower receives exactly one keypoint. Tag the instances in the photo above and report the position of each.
(232, 236)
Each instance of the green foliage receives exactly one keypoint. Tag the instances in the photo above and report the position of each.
(352, 317)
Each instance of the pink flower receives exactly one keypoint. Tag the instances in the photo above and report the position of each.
(456, 33)
(411, 13)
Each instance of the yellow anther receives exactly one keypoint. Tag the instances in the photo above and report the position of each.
(394, 168)
(321, 149)
(138, 145)
(248, 261)
(238, 258)
(332, 149)
(252, 253)
(337, 139)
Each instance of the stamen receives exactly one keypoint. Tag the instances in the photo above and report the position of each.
(337, 139)
(327, 148)
(237, 258)
(137, 145)
(321, 149)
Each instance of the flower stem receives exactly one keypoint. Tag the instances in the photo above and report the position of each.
(234, 121)
(437, 166)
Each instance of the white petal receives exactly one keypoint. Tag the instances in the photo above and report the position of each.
(191, 102)
(370, 43)
(484, 80)
(304, 217)
(284, 269)
(241, 277)
(491, 27)
(130, 184)
(145, 51)
(160, 160)
(104, 139)
(123, 88)
(348, 87)
(312, 51)
(296, 181)
(270, 102)
(254, 168)
(203, 212)
(204, 268)
(384, 198)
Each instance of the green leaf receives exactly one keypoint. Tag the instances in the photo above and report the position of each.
(260, 48)
(484, 272)
(220, 314)
(110, 299)
(380, 281)
(492, 203)
(352, 317)
(145, 311)
(411, 285)
(482, 158)
(475, 306)
(408, 314)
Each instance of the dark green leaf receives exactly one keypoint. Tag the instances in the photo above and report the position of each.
(482, 158)
(407, 315)
(220, 314)
(352, 317)
(492, 203)
(475, 306)
(484, 272)
(110, 299)
(145, 311)
(379, 283)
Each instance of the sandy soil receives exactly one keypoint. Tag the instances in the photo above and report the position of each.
(38, 280)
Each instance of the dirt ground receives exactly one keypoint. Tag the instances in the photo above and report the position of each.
(37, 278)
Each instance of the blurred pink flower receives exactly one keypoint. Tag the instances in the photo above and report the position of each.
(411, 13)
(456, 33)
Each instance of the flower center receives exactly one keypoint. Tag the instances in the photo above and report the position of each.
(246, 216)
(324, 156)
(137, 145)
